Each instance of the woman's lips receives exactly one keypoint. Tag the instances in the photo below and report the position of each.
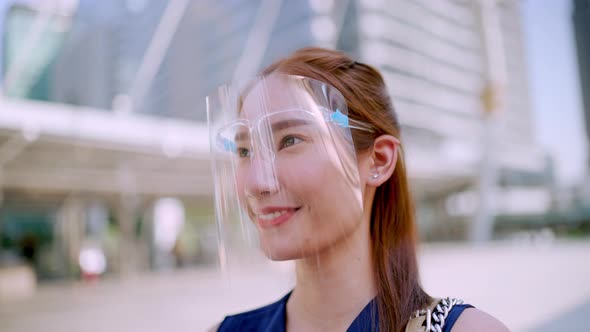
(273, 217)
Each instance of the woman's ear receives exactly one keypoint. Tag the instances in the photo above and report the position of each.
(383, 158)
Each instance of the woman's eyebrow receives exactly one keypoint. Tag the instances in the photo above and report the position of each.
(284, 124)
(279, 125)
(242, 136)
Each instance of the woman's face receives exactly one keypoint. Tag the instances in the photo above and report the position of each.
(297, 175)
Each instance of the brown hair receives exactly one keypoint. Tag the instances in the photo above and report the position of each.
(393, 228)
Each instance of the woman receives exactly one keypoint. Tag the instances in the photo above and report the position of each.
(356, 264)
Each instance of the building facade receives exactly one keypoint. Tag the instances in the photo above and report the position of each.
(111, 117)
(581, 19)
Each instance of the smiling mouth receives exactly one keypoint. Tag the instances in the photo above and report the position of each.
(276, 217)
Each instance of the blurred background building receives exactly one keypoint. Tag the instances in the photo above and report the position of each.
(581, 18)
(103, 142)
(581, 25)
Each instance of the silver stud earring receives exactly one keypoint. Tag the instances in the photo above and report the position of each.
(374, 176)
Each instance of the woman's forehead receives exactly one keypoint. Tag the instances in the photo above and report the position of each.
(274, 94)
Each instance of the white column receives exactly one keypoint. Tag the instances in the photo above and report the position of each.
(492, 100)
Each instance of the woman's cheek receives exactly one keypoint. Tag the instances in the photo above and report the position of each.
(240, 182)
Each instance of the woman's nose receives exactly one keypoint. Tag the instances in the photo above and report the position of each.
(261, 178)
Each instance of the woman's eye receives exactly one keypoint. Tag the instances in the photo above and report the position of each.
(288, 141)
(243, 152)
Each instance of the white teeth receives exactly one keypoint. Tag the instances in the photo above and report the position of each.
(272, 215)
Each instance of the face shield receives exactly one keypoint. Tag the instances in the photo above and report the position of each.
(285, 168)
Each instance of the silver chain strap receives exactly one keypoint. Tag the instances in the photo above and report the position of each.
(435, 320)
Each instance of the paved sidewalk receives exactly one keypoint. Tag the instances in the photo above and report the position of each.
(530, 288)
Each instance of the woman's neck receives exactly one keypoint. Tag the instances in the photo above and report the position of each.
(334, 286)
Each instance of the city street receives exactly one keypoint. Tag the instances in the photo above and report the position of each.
(529, 287)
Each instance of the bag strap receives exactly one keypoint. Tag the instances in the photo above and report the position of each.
(432, 318)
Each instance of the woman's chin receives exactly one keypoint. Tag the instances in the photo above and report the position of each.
(280, 253)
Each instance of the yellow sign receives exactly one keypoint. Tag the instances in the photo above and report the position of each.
(491, 97)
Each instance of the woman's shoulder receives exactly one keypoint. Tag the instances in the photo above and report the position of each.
(472, 319)
(452, 315)
(253, 320)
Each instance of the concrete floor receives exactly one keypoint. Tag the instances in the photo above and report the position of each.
(528, 287)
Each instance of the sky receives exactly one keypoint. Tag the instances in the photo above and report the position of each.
(554, 84)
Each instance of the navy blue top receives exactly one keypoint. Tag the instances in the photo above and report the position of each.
(272, 318)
